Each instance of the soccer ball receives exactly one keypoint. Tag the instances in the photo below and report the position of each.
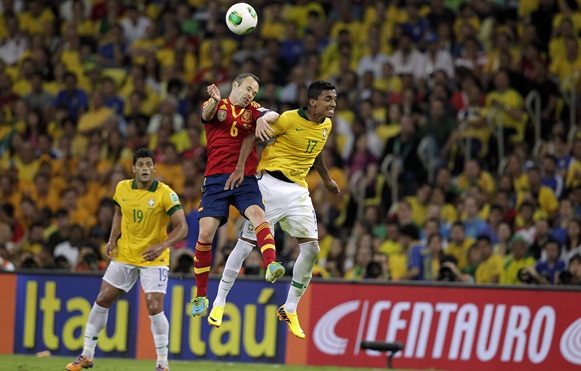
(241, 18)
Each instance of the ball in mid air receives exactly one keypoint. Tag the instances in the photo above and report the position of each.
(241, 18)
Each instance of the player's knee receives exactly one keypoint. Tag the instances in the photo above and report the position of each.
(104, 301)
(310, 249)
(154, 307)
(255, 214)
(206, 236)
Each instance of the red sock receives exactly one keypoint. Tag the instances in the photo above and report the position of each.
(202, 264)
(265, 242)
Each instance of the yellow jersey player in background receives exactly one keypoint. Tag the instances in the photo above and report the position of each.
(299, 137)
(144, 208)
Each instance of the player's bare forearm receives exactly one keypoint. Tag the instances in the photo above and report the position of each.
(209, 110)
(245, 151)
(271, 117)
(321, 168)
(236, 178)
(180, 228)
(179, 232)
(263, 125)
(115, 231)
(115, 226)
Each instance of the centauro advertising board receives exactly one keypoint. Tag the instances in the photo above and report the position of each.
(451, 328)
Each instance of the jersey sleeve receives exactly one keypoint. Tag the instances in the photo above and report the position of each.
(257, 110)
(171, 201)
(117, 195)
(280, 125)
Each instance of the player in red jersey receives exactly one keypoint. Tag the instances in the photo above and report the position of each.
(227, 123)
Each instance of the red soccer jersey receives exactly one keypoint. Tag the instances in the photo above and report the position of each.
(225, 132)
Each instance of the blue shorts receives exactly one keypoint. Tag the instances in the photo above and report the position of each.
(216, 201)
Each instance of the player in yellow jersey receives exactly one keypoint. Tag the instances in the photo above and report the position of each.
(138, 248)
(299, 137)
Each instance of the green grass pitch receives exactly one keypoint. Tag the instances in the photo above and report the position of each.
(20, 362)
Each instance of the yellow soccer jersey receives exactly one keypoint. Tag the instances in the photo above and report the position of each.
(296, 144)
(145, 219)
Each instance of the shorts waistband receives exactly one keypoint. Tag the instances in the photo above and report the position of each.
(279, 175)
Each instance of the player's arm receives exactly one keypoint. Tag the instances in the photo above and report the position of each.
(209, 108)
(115, 232)
(237, 176)
(179, 232)
(263, 125)
(321, 168)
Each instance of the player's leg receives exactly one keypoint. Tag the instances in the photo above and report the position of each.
(233, 265)
(302, 274)
(249, 201)
(212, 213)
(265, 241)
(300, 222)
(154, 284)
(118, 278)
(203, 262)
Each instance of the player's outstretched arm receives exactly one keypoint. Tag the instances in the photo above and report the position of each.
(263, 129)
(209, 109)
(179, 232)
(236, 178)
(321, 168)
(115, 231)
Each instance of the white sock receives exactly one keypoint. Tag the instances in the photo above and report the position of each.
(302, 274)
(231, 270)
(95, 324)
(160, 331)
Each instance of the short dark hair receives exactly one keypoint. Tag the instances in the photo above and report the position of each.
(484, 237)
(243, 76)
(317, 87)
(576, 257)
(142, 153)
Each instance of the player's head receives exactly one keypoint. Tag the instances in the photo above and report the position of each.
(244, 89)
(144, 165)
(322, 99)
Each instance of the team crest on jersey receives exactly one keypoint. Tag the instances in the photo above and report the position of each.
(221, 115)
(247, 116)
(151, 202)
(324, 133)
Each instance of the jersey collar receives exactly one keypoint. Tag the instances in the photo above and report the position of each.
(302, 113)
(151, 188)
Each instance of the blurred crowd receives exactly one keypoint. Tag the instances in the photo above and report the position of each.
(445, 170)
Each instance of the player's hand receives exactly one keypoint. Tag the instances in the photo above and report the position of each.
(235, 179)
(263, 129)
(332, 187)
(153, 252)
(109, 248)
(214, 92)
